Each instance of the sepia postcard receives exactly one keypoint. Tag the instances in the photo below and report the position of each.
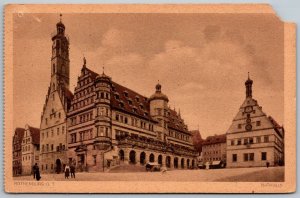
(149, 99)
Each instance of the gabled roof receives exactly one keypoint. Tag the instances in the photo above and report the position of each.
(68, 94)
(176, 122)
(20, 133)
(215, 139)
(129, 101)
(35, 134)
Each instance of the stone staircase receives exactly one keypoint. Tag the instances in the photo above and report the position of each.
(127, 168)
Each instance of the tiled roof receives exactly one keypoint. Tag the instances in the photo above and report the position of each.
(20, 133)
(215, 139)
(279, 129)
(35, 134)
(130, 101)
(134, 103)
(275, 124)
(68, 94)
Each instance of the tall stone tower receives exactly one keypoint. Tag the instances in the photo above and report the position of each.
(60, 62)
(53, 128)
(159, 111)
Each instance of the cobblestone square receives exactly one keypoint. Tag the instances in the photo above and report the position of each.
(260, 174)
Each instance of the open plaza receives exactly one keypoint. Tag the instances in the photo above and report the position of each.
(258, 174)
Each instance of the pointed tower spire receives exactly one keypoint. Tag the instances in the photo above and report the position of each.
(84, 62)
(248, 85)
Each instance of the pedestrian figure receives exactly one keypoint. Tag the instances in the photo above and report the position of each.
(37, 172)
(72, 169)
(67, 172)
(268, 164)
(34, 170)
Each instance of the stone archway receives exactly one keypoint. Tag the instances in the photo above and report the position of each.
(151, 157)
(121, 155)
(168, 162)
(188, 163)
(143, 158)
(182, 163)
(132, 159)
(58, 167)
(175, 162)
(159, 159)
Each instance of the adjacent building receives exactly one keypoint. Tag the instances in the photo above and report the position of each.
(17, 151)
(53, 119)
(254, 139)
(30, 149)
(109, 124)
(214, 149)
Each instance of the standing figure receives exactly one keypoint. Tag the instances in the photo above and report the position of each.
(34, 170)
(72, 168)
(67, 172)
(37, 172)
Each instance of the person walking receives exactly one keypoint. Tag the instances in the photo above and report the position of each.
(67, 172)
(37, 172)
(34, 170)
(72, 169)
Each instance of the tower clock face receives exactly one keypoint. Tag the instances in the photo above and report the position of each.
(248, 109)
(248, 127)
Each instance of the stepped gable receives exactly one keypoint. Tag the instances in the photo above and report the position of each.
(215, 139)
(35, 134)
(176, 122)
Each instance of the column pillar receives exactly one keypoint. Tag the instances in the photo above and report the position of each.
(171, 161)
(163, 165)
(126, 156)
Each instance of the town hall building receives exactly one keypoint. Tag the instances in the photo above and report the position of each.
(105, 124)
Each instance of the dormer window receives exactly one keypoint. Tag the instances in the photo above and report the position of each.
(130, 101)
(134, 110)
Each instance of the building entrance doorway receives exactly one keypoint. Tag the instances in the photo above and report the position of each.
(81, 162)
(58, 166)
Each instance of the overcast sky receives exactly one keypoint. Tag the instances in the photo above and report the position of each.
(201, 61)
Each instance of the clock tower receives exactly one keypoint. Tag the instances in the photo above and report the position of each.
(253, 138)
